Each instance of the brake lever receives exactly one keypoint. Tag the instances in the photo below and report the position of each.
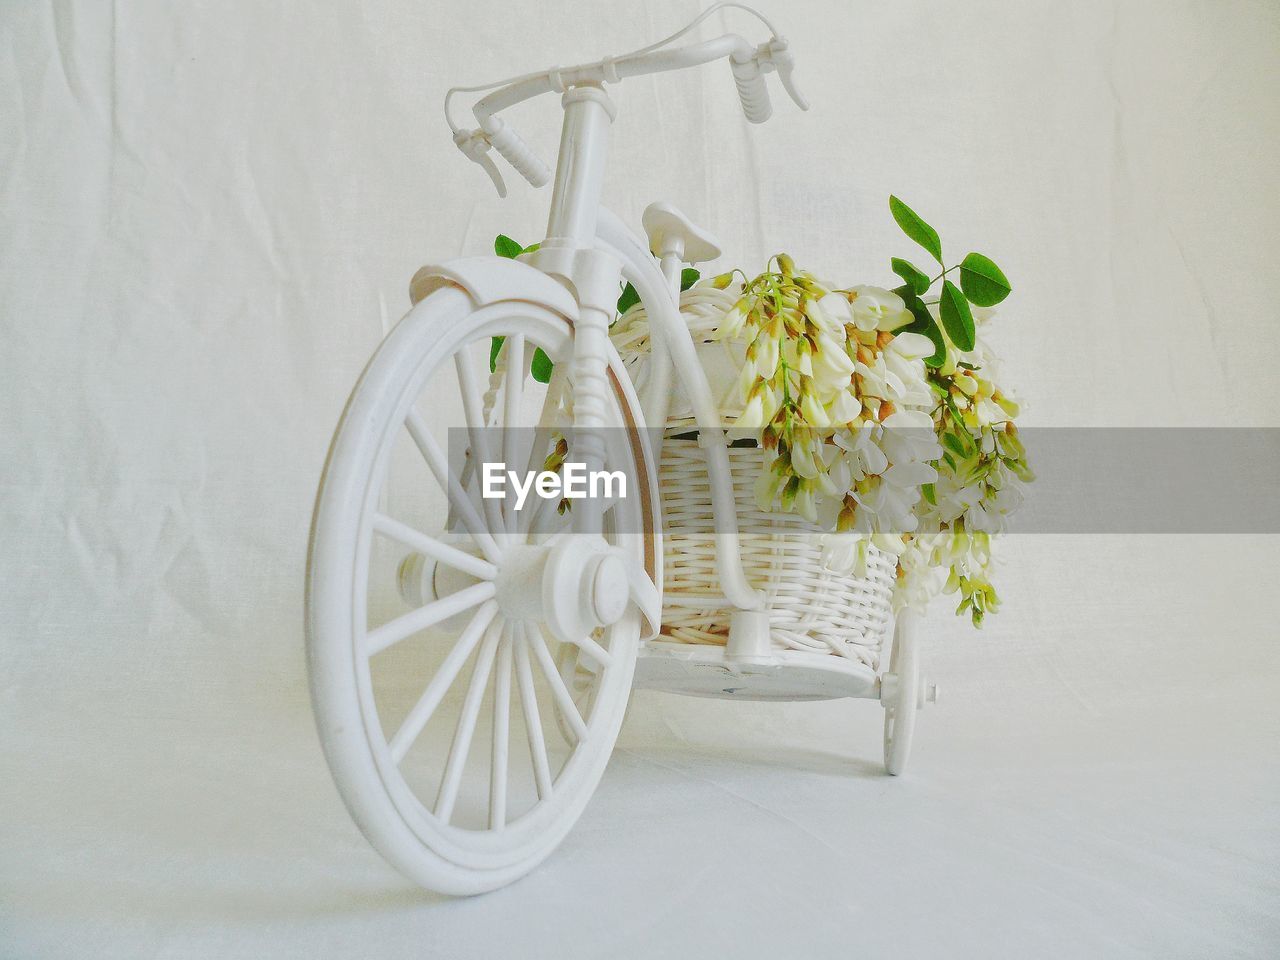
(475, 146)
(785, 63)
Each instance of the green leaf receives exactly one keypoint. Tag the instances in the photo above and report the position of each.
(956, 316)
(915, 228)
(923, 323)
(916, 278)
(504, 246)
(929, 493)
(628, 299)
(953, 443)
(541, 367)
(982, 281)
(688, 277)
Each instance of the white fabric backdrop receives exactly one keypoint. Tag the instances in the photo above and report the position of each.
(210, 211)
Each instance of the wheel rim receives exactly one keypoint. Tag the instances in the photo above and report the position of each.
(498, 674)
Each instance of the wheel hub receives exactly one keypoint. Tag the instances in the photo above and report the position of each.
(575, 585)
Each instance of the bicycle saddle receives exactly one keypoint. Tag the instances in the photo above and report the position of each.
(671, 232)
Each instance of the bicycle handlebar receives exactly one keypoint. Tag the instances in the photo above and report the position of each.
(752, 90)
(749, 65)
(516, 152)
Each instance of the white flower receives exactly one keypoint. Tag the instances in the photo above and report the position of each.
(805, 460)
(843, 408)
(747, 378)
(989, 515)
(874, 308)
(921, 579)
(861, 457)
(952, 501)
(825, 313)
(845, 553)
(911, 346)
(988, 412)
(1008, 500)
(891, 543)
(909, 437)
(977, 518)
(836, 312)
(752, 416)
(805, 504)
(891, 507)
(767, 487)
(897, 373)
(832, 366)
(915, 392)
(875, 378)
(910, 473)
(767, 352)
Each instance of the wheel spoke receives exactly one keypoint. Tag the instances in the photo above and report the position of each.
(501, 734)
(466, 728)
(398, 629)
(537, 456)
(441, 682)
(547, 518)
(473, 410)
(532, 720)
(439, 466)
(593, 650)
(433, 548)
(512, 396)
(544, 515)
(564, 699)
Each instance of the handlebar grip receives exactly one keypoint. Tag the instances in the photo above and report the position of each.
(752, 91)
(516, 152)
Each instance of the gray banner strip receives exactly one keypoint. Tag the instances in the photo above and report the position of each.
(1105, 479)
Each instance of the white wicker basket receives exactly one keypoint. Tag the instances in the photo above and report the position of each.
(811, 607)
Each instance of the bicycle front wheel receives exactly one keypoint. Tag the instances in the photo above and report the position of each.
(433, 699)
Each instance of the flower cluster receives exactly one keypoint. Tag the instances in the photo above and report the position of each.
(880, 409)
(884, 415)
(837, 394)
(980, 475)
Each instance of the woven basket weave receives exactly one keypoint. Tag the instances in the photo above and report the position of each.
(811, 607)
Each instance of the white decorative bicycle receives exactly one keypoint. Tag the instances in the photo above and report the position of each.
(410, 635)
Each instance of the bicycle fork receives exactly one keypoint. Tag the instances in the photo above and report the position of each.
(571, 253)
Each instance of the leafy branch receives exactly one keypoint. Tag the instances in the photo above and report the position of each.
(982, 284)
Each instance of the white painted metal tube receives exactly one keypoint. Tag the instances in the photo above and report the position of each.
(657, 61)
(664, 319)
(584, 144)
